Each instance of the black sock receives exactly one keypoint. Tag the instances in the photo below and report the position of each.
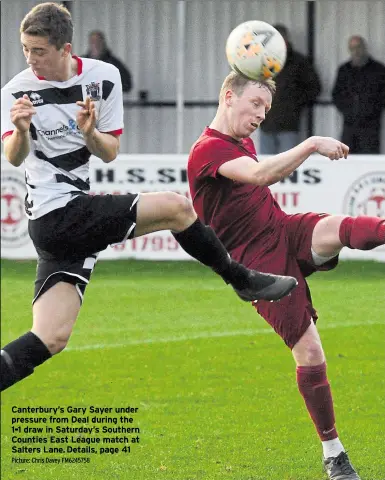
(20, 357)
(201, 242)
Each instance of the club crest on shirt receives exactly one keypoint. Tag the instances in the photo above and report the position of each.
(93, 90)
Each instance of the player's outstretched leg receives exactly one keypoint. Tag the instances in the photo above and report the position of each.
(201, 242)
(171, 211)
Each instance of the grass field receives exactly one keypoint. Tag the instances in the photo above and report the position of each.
(214, 387)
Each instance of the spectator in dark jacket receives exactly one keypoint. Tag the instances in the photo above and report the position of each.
(298, 85)
(359, 94)
(98, 49)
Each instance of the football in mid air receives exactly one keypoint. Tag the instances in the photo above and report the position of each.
(256, 50)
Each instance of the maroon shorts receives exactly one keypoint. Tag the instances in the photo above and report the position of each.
(290, 254)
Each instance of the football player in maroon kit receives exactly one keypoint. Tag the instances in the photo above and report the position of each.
(230, 192)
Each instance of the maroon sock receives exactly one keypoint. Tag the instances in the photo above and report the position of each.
(362, 233)
(315, 389)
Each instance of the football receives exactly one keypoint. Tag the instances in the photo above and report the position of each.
(256, 50)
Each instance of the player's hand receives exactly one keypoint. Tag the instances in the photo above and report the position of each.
(86, 116)
(331, 148)
(21, 113)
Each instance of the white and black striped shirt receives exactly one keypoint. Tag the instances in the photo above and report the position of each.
(57, 167)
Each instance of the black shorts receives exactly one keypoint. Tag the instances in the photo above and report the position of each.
(68, 239)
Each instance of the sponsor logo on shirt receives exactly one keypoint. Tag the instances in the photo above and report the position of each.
(61, 132)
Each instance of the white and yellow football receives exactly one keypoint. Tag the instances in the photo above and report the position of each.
(256, 50)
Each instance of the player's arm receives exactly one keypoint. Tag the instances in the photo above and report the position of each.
(273, 169)
(16, 145)
(103, 145)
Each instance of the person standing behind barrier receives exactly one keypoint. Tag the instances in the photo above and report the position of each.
(359, 94)
(98, 50)
(297, 86)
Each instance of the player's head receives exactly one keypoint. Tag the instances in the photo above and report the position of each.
(97, 44)
(46, 35)
(245, 102)
(358, 50)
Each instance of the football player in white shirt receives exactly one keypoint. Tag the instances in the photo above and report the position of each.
(55, 114)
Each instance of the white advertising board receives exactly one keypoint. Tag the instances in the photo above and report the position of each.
(355, 186)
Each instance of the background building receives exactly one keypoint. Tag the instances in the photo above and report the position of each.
(175, 51)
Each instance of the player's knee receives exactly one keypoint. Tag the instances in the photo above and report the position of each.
(308, 352)
(181, 211)
(314, 354)
(57, 343)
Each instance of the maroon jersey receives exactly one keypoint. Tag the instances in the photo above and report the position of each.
(245, 217)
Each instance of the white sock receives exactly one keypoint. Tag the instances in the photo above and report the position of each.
(332, 448)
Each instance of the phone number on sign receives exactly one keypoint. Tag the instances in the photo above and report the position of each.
(153, 243)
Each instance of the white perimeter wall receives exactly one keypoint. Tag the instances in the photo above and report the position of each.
(143, 34)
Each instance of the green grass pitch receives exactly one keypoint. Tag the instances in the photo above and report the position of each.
(214, 387)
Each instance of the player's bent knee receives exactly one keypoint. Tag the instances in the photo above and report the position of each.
(57, 344)
(55, 341)
(182, 212)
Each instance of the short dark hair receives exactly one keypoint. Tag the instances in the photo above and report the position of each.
(49, 20)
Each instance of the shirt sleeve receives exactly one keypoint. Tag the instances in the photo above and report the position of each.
(7, 100)
(111, 108)
(210, 155)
